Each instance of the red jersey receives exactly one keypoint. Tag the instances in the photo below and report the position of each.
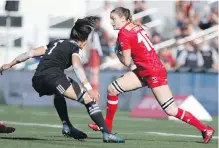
(134, 37)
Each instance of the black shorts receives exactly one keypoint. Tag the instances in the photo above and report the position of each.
(51, 84)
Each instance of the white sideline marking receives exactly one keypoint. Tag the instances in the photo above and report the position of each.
(127, 118)
(56, 126)
(177, 135)
(43, 125)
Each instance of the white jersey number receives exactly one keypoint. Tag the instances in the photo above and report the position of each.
(142, 37)
(54, 46)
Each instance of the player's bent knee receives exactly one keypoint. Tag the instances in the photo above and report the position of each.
(87, 98)
(170, 107)
(83, 97)
(171, 111)
(115, 89)
(112, 90)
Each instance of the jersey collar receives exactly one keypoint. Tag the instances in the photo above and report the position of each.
(73, 41)
(125, 25)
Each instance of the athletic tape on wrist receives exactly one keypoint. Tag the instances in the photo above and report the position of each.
(88, 86)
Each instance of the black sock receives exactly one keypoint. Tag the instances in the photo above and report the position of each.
(61, 108)
(96, 115)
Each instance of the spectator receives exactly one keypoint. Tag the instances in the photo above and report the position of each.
(105, 20)
(183, 6)
(210, 57)
(103, 37)
(215, 44)
(185, 31)
(190, 59)
(111, 47)
(156, 38)
(167, 59)
(206, 20)
(178, 33)
(214, 16)
(94, 43)
(180, 20)
(139, 6)
(194, 25)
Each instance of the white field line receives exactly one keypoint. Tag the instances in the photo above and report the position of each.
(87, 116)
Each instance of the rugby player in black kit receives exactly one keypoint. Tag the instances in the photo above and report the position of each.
(50, 79)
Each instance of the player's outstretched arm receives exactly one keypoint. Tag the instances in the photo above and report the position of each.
(24, 56)
(81, 75)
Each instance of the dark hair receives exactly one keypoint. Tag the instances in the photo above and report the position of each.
(82, 28)
(121, 11)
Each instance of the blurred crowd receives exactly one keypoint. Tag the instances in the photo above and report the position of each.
(191, 17)
(199, 55)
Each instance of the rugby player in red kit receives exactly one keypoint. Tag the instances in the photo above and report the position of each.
(134, 44)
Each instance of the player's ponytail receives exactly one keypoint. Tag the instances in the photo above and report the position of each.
(121, 11)
(92, 20)
(128, 15)
(82, 28)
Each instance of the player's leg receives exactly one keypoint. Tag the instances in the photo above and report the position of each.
(56, 85)
(165, 98)
(68, 129)
(61, 108)
(75, 92)
(127, 82)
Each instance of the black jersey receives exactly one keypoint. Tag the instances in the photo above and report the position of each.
(58, 57)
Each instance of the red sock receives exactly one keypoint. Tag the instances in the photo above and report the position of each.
(190, 119)
(112, 104)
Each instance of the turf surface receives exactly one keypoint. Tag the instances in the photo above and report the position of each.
(39, 127)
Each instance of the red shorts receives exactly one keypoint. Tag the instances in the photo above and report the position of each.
(154, 78)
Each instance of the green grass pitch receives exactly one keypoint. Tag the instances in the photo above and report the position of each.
(40, 127)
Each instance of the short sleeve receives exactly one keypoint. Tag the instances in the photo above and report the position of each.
(76, 51)
(123, 41)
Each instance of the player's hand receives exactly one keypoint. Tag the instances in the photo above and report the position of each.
(94, 95)
(4, 67)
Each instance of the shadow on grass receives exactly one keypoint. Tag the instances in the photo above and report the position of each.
(211, 142)
(27, 139)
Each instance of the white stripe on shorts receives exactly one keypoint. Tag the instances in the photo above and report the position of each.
(60, 89)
